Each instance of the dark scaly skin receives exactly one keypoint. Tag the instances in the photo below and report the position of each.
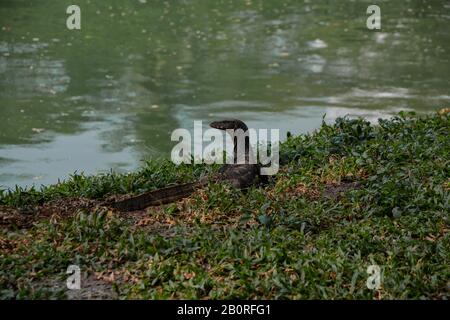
(158, 197)
(240, 176)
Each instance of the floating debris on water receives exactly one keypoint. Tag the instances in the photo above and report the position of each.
(317, 44)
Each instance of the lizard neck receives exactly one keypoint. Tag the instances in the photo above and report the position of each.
(238, 130)
(242, 156)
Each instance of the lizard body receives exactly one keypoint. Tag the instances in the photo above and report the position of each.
(241, 175)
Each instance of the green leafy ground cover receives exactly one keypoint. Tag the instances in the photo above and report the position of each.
(347, 196)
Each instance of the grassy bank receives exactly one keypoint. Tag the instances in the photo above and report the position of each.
(348, 196)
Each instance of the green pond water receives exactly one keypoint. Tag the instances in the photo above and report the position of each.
(109, 95)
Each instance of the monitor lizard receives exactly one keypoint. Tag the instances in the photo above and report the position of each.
(241, 174)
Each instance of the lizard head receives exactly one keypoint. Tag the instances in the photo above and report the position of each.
(229, 124)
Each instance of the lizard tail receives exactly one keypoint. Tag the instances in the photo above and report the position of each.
(158, 197)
